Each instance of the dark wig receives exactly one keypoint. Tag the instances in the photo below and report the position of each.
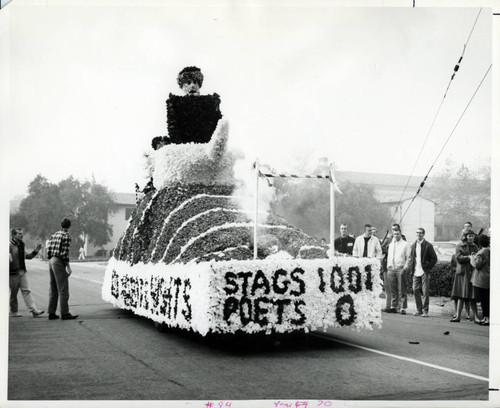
(190, 74)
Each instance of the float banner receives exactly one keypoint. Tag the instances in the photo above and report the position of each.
(250, 296)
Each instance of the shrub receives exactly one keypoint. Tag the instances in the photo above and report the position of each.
(101, 252)
(441, 279)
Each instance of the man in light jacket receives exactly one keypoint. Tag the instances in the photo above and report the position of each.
(398, 259)
(422, 259)
(367, 246)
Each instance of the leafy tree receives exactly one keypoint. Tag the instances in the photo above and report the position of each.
(42, 208)
(86, 204)
(461, 194)
(358, 206)
(93, 215)
(17, 220)
(305, 203)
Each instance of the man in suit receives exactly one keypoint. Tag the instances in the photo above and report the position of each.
(422, 260)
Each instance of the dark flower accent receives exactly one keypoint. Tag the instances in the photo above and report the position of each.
(149, 235)
(313, 253)
(192, 118)
(346, 299)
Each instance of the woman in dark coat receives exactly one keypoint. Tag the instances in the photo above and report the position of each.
(481, 278)
(462, 286)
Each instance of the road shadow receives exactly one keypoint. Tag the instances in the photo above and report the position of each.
(241, 343)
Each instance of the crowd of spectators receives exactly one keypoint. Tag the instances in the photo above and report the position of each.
(470, 266)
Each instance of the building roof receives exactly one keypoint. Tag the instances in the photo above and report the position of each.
(378, 179)
(404, 199)
(124, 198)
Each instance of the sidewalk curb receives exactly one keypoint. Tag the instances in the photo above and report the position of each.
(438, 306)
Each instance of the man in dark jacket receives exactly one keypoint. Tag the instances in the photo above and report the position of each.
(422, 260)
(344, 243)
(17, 273)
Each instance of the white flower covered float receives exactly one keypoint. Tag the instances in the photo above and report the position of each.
(186, 258)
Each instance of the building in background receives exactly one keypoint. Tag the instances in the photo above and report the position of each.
(118, 220)
(388, 190)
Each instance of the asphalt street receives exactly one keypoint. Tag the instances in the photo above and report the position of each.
(110, 354)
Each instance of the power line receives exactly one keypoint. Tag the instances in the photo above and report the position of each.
(447, 140)
(457, 66)
(455, 70)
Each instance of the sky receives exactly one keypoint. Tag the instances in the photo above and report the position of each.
(87, 85)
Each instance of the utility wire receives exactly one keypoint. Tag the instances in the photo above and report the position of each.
(446, 142)
(463, 52)
(455, 70)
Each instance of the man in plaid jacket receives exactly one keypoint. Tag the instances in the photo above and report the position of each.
(60, 270)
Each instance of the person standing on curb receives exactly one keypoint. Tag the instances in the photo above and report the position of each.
(17, 273)
(383, 272)
(344, 243)
(398, 258)
(422, 259)
(60, 270)
(367, 246)
(481, 277)
(461, 290)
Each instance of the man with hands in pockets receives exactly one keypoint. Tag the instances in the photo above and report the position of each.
(422, 260)
(60, 270)
(398, 259)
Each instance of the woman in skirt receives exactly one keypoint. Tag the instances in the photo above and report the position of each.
(462, 286)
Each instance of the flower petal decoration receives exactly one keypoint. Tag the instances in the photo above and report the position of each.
(250, 296)
(186, 257)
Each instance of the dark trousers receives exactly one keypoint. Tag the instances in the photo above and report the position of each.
(387, 290)
(59, 286)
(484, 298)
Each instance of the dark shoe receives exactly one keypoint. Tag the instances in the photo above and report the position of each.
(37, 313)
(389, 310)
(53, 316)
(68, 316)
(484, 323)
(402, 311)
(455, 320)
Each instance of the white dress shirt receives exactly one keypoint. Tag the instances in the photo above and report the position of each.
(419, 271)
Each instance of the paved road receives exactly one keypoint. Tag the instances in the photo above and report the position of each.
(111, 354)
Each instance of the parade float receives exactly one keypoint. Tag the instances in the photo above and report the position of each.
(192, 257)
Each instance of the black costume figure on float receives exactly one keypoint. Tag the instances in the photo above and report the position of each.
(192, 117)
